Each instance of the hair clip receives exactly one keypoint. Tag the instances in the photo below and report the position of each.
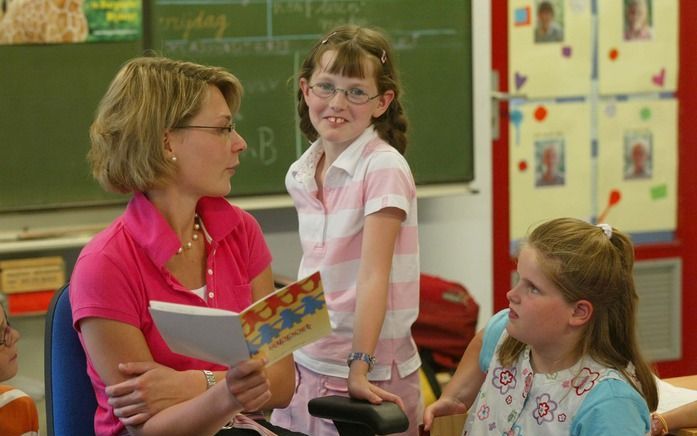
(606, 228)
(324, 41)
(383, 58)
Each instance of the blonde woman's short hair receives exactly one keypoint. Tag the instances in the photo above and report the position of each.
(148, 96)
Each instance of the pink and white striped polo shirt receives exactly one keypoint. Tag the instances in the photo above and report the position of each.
(368, 176)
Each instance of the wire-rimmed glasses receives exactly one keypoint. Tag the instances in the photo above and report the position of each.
(224, 131)
(326, 90)
(7, 337)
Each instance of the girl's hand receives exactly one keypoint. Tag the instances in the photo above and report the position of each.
(658, 425)
(360, 388)
(442, 407)
(151, 387)
(248, 384)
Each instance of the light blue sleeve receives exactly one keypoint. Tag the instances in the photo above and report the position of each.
(612, 408)
(492, 332)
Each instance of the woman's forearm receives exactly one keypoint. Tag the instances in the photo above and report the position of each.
(204, 414)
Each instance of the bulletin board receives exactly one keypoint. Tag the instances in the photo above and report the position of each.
(639, 58)
(596, 112)
(553, 63)
(549, 164)
(637, 160)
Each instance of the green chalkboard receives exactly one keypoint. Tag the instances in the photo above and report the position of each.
(48, 96)
(49, 93)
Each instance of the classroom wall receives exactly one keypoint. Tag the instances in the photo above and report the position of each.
(456, 233)
(455, 229)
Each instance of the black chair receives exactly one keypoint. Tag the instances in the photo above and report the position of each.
(359, 418)
(354, 417)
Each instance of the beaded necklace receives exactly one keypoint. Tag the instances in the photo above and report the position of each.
(194, 237)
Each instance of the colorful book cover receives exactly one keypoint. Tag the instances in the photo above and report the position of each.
(273, 327)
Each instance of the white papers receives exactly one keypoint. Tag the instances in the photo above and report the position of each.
(209, 334)
(670, 397)
(272, 327)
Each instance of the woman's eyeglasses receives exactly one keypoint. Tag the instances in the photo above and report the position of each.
(224, 131)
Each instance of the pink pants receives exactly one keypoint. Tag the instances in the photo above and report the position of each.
(309, 385)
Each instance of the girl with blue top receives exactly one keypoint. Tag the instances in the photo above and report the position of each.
(563, 358)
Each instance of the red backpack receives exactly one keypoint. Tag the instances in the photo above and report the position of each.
(447, 321)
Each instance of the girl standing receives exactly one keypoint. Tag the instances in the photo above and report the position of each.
(356, 202)
(563, 359)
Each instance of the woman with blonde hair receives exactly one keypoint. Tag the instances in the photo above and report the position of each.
(165, 133)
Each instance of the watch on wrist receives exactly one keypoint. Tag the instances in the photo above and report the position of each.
(210, 378)
(357, 355)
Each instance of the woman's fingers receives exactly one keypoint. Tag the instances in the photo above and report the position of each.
(248, 383)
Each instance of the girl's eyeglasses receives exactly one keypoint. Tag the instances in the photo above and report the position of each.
(354, 95)
(7, 336)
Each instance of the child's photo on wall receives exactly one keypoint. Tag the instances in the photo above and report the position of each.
(549, 25)
(550, 168)
(638, 155)
(637, 20)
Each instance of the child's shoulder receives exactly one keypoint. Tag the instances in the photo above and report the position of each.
(10, 394)
(18, 413)
(7, 388)
(497, 323)
(379, 145)
(380, 153)
(614, 402)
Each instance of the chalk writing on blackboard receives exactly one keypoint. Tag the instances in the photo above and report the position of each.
(182, 25)
(264, 150)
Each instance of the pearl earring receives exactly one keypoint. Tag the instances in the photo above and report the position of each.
(174, 158)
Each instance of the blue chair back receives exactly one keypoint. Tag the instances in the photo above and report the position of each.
(70, 400)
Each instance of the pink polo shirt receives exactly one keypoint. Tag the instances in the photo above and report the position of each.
(123, 267)
(368, 176)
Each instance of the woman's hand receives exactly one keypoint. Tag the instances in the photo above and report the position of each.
(248, 384)
(442, 407)
(151, 387)
(360, 388)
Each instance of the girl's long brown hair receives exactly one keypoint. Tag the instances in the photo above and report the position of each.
(584, 264)
(354, 46)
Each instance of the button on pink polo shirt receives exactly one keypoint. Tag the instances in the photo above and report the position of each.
(123, 268)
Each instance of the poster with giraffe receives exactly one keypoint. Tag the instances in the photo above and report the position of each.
(69, 21)
(272, 327)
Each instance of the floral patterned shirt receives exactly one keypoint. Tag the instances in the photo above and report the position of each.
(586, 399)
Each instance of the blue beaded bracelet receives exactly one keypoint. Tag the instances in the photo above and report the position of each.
(357, 355)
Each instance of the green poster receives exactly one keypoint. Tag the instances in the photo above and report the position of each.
(69, 21)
